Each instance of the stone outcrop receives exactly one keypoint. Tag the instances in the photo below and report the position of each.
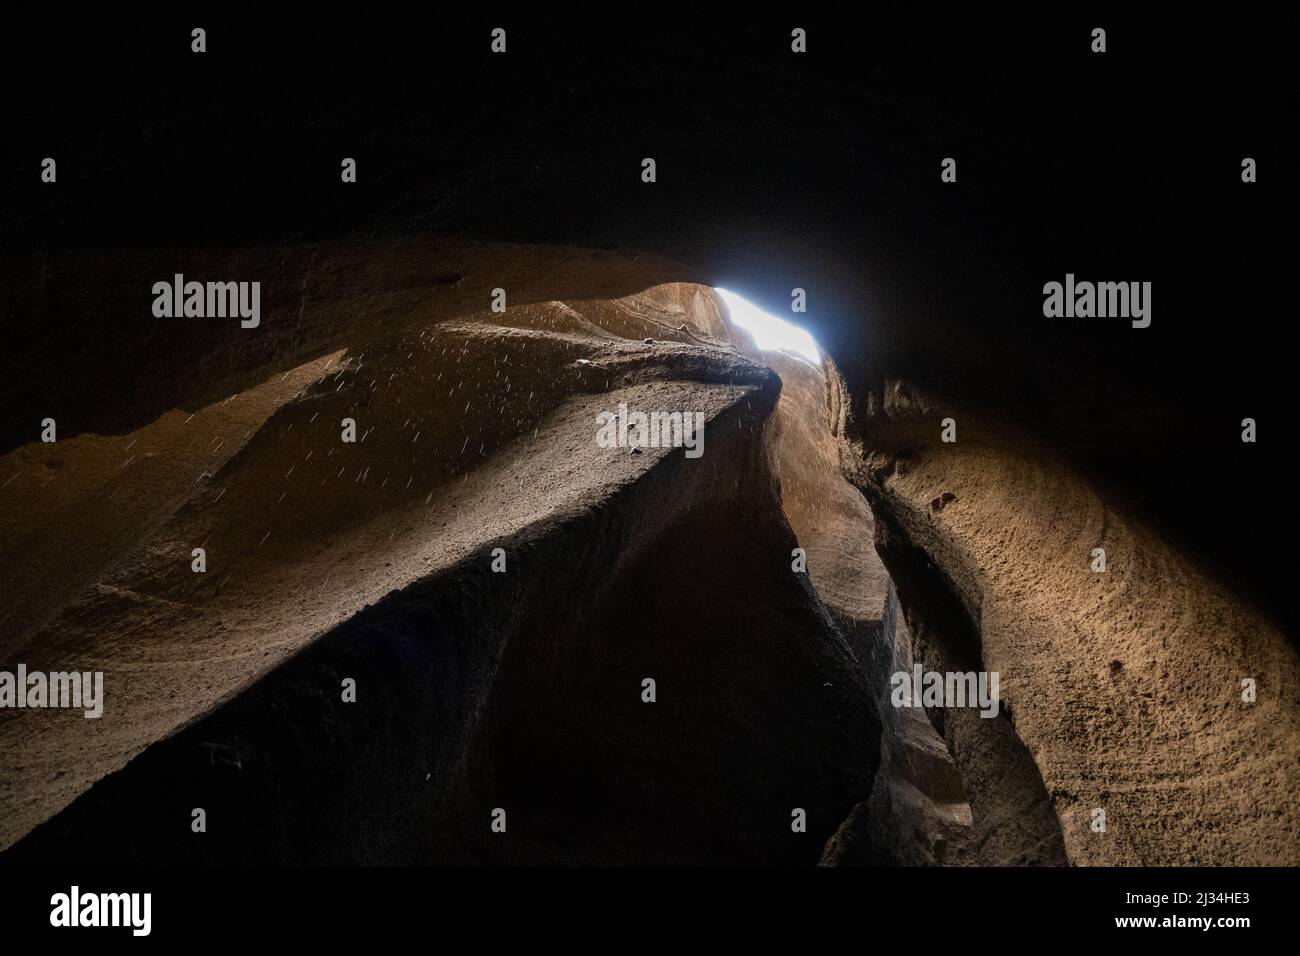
(475, 690)
(1122, 689)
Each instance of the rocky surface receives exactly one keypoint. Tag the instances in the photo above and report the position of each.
(475, 689)
(1122, 689)
(916, 813)
(776, 172)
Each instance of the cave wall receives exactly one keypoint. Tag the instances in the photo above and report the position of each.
(776, 171)
(475, 689)
(1122, 689)
(822, 174)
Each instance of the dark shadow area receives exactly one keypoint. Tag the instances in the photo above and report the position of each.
(523, 691)
(1012, 815)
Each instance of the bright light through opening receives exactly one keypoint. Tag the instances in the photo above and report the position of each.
(769, 332)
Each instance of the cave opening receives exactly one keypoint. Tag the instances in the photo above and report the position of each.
(769, 332)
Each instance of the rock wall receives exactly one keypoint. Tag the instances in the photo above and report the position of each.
(1122, 690)
(475, 690)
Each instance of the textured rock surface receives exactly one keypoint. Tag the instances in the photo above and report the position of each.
(520, 690)
(317, 298)
(1122, 690)
(916, 813)
(775, 172)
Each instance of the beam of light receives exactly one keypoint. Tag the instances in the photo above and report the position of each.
(769, 332)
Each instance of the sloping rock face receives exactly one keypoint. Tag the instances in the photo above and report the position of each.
(776, 171)
(477, 690)
(1125, 736)
(316, 299)
(916, 813)
(522, 691)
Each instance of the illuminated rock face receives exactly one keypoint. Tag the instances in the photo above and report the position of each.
(523, 689)
(475, 688)
(1105, 675)
(916, 812)
(1123, 689)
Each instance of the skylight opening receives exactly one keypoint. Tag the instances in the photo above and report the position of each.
(769, 332)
